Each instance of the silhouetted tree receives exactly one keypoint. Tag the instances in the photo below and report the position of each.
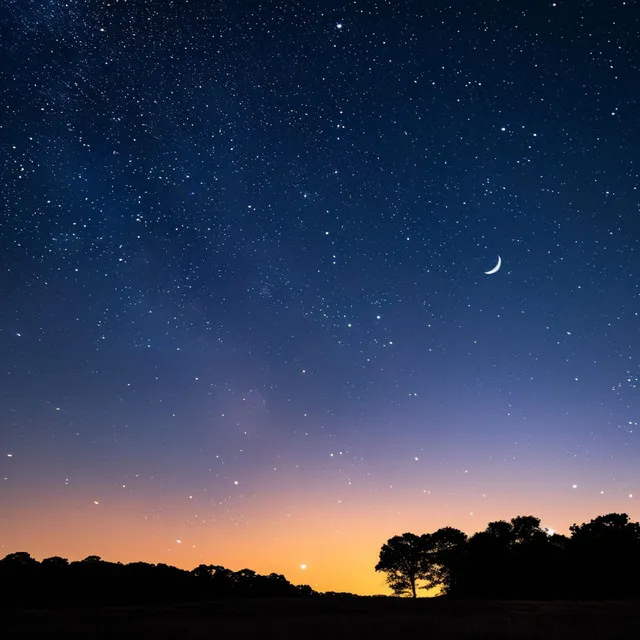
(519, 559)
(92, 581)
(605, 556)
(444, 550)
(402, 558)
(19, 559)
(222, 581)
(19, 578)
(305, 590)
(92, 559)
(245, 582)
(500, 531)
(56, 563)
(526, 529)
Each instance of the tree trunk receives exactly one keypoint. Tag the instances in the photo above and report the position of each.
(413, 586)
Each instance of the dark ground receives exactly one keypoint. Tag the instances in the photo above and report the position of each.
(333, 618)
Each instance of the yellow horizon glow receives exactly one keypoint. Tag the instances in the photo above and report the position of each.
(338, 543)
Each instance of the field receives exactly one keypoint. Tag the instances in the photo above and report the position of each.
(334, 618)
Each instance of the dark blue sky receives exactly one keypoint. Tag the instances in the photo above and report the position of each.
(246, 242)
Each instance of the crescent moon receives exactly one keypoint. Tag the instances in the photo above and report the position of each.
(495, 269)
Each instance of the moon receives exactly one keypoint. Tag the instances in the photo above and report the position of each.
(495, 269)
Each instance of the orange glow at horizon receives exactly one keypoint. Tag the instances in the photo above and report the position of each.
(332, 547)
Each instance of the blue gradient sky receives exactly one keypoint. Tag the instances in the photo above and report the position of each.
(244, 304)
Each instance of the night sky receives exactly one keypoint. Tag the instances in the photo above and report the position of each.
(244, 316)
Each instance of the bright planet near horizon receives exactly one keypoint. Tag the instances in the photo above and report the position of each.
(245, 318)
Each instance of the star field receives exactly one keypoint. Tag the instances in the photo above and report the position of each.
(245, 319)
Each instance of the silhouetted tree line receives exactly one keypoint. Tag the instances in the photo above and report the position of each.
(25, 582)
(519, 560)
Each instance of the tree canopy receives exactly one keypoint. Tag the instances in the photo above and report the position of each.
(25, 582)
(409, 559)
(519, 559)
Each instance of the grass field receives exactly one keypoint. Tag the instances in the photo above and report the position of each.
(334, 618)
